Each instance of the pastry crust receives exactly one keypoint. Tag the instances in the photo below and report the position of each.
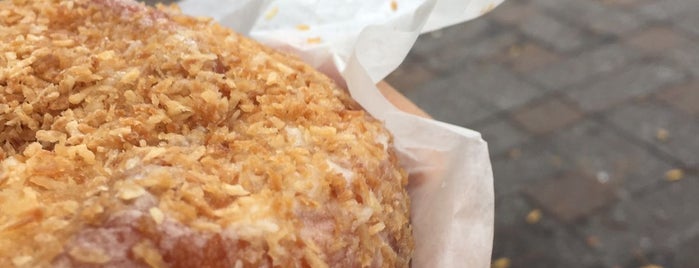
(134, 137)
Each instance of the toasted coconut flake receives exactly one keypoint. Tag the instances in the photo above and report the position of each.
(21, 261)
(157, 215)
(129, 191)
(91, 255)
(234, 190)
(149, 254)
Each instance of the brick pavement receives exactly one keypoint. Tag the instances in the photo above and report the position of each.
(586, 105)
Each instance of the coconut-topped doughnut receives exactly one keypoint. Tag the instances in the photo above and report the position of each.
(140, 137)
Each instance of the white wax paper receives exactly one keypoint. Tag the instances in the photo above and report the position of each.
(358, 43)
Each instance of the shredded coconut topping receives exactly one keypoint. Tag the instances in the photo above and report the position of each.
(140, 137)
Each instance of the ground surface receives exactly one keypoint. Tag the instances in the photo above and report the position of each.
(591, 111)
(586, 106)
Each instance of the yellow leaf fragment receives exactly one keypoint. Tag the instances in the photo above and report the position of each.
(534, 216)
(662, 134)
(674, 175)
(501, 263)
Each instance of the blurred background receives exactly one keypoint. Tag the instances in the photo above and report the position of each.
(591, 112)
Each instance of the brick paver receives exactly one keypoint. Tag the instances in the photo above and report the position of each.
(636, 80)
(493, 84)
(502, 135)
(513, 13)
(528, 57)
(658, 40)
(667, 9)
(644, 119)
(687, 253)
(594, 15)
(524, 165)
(446, 50)
(448, 101)
(452, 56)
(686, 57)
(571, 196)
(650, 224)
(586, 105)
(585, 66)
(688, 23)
(546, 242)
(612, 158)
(553, 32)
(626, 4)
(546, 116)
(683, 97)
(593, 103)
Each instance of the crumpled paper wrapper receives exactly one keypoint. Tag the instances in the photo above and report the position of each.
(358, 43)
